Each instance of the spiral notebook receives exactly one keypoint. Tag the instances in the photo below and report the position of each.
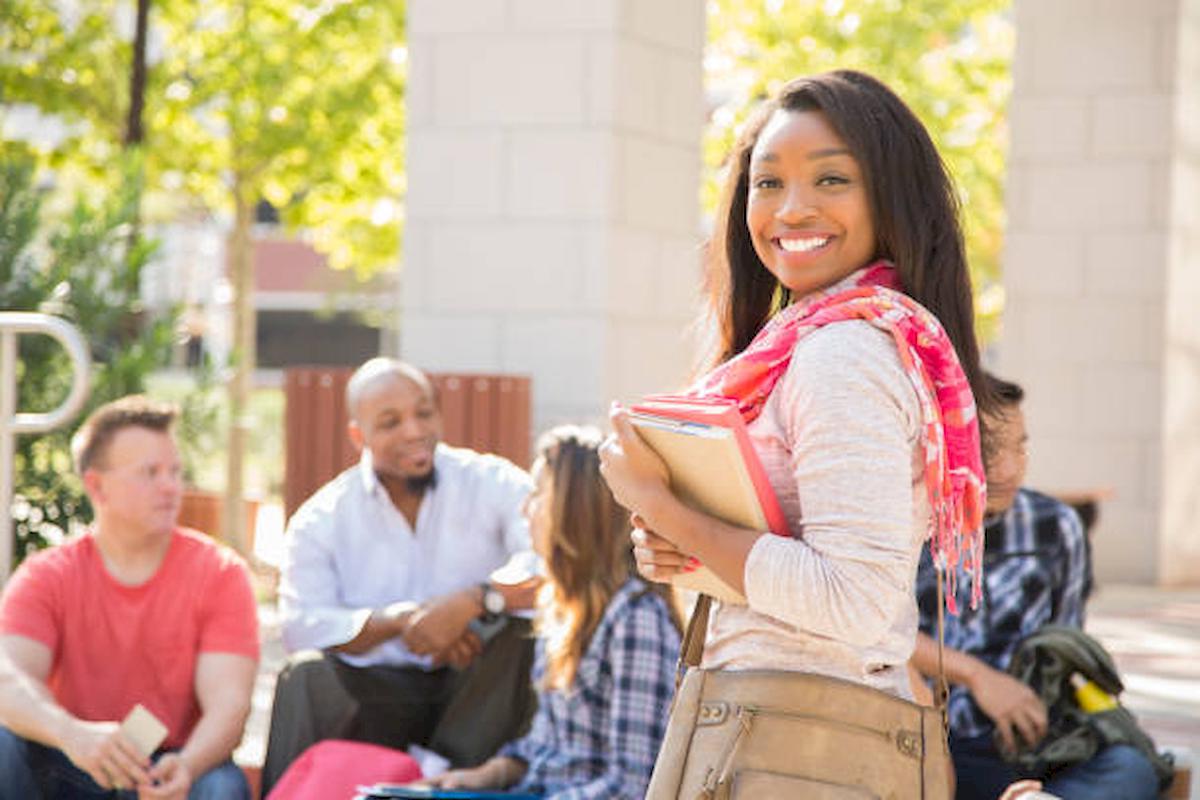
(713, 468)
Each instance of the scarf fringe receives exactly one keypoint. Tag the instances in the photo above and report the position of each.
(956, 535)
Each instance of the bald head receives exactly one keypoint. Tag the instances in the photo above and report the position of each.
(393, 416)
(378, 372)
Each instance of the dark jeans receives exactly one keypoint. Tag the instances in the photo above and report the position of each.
(29, 771)
(465, 716)
(1119, 772)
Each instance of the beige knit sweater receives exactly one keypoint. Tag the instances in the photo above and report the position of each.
(839, 438)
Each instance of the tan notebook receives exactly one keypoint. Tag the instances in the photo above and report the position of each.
(713, 468)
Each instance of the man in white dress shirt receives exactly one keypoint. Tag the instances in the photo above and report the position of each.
(387, 577)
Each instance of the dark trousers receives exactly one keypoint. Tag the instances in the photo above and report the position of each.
(1117, 772)
(32, 771)
(465, 716)
(980, 771)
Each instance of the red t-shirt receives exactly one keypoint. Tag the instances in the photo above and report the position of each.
(114, 646)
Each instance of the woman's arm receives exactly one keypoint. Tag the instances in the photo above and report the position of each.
(850, 417)
(847, 409)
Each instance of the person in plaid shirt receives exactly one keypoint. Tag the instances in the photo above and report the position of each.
(1037, 571)
(607, 648)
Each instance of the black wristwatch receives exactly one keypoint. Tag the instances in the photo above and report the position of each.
(494, 603)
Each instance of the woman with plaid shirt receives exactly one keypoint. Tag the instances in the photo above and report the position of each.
(608, 643)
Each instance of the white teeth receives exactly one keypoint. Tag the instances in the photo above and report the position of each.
(803, 245)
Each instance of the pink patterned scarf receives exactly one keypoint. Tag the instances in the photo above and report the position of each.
(954, 477)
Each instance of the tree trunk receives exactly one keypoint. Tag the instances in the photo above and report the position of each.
(244, 360)
(134, 132)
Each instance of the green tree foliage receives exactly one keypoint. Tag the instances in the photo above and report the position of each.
(82, 267)
(69, 65)
(299, 102)
(949, 59)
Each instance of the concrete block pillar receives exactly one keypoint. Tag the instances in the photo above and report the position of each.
(553, 182)
(1102, 269)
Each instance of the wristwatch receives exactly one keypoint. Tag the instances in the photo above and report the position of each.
(494, 603)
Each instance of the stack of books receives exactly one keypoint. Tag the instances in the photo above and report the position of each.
(713, 468)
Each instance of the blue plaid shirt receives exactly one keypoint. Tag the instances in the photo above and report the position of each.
(600, 739)
(1036, 569)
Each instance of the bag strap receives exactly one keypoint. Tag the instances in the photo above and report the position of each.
(941, 692)
(693, 638)
(697, 630)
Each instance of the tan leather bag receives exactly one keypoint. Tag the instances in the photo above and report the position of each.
(771, 735)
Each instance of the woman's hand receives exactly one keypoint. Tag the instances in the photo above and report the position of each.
(498, 772)
(636, 475)
(474, 778)
(657, 559)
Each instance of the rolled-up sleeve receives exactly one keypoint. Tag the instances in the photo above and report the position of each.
(312, 614)
(850, 415)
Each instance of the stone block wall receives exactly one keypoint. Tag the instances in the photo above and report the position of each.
(552, 220)
(1095, 259)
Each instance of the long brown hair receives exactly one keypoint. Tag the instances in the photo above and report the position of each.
(590, 556)
(913, 206)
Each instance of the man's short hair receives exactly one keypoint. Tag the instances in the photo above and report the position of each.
(90, 442)
(1007, 393)
(377, 368)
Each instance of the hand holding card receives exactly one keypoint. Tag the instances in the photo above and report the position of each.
(143, 730)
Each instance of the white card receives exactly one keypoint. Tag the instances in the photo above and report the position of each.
(144, 730)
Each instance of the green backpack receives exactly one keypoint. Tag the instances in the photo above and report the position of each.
(1045, 661)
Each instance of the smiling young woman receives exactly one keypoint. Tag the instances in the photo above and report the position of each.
(840, 290)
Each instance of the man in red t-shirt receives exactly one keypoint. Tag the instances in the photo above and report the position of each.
(134, 611)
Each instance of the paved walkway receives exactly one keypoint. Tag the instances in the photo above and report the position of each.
(253, 749)
(1154, 635)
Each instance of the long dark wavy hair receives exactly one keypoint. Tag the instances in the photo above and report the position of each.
(912, 201)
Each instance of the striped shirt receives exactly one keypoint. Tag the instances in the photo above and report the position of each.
(1036, 568)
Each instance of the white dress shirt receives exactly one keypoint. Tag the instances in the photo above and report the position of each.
(350, 551)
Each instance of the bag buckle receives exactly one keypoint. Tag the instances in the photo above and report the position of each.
(909, 743)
